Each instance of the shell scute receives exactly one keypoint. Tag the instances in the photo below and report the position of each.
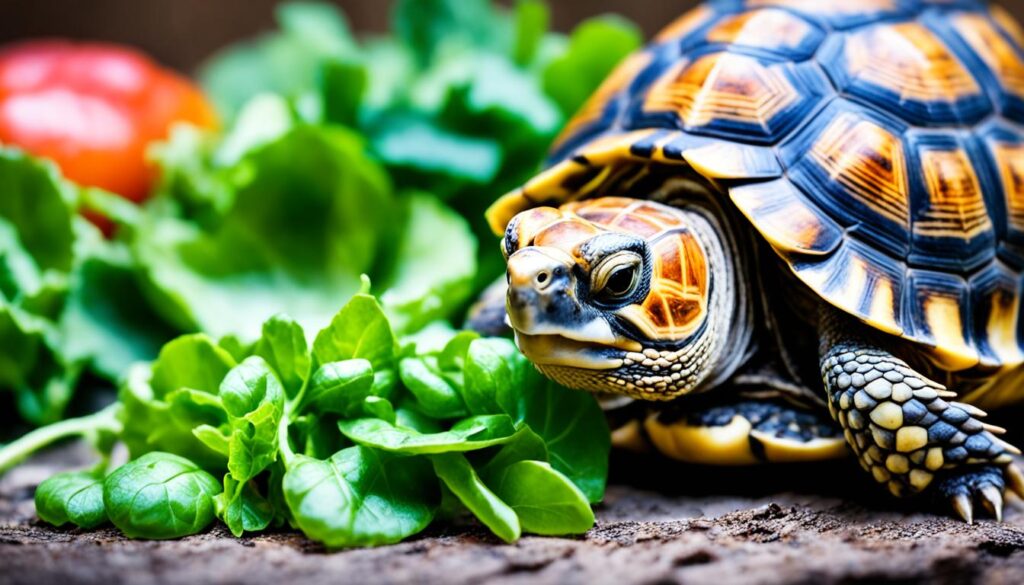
(1003, 149)
(851, 163)
(997, 327)
(777, 31)
(1002, 56)
(787, 219)
(939, 315)
(951, 224)
(731, 95)
(907, 69)
(860, 280)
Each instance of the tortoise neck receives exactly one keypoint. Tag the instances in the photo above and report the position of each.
(725, 343)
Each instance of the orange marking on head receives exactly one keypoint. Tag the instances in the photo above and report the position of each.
(766, 28)
(867, 160)
(566, 234)
(955, 204)
(529, 223)
(722, 86)
(909, 60)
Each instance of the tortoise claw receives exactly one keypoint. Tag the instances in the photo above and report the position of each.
(963, 506)
(984, 485)
(992, 499)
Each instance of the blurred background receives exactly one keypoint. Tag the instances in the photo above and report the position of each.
(180, 33)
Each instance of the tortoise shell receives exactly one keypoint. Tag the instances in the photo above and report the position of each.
(878, 146)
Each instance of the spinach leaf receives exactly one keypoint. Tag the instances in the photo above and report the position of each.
(37, 203)
(250, 385)
(360, 330)
(595, 47)
(160, 496)
(283, 346)
(284, 63)
(190, 361)
(253, 443)
(499, 379)
(532, 18)
(574, 430)
(103, 322)
(242, 507)
(435, 395)
(75, 497)
(470, 434)
(360, 497)
(494, 376)
(148, 425)
(340, 387)
(192, 408)
(425, 24)
(460, 477)
(525, 445)
(544, 500)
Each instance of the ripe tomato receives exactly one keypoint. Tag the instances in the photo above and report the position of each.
(93, 109)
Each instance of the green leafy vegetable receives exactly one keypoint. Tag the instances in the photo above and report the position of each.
(595, 47)
(160, 496)
(460, 477)
(466, 435)
(75, 497)
(545, 501)
(342, 163)
(360, 497)
(340, 387)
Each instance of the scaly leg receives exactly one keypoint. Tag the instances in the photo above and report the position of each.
(905, 430)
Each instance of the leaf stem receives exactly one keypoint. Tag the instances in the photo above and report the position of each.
(19, 450)
(283, 444)
(287, 455)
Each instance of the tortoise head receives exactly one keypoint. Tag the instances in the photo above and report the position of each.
(611, 295)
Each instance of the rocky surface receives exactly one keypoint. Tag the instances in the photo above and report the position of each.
(672, 524)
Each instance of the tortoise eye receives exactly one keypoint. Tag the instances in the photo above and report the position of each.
(617, 277)
(621, 281)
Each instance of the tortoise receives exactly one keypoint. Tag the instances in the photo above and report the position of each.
(790, 229)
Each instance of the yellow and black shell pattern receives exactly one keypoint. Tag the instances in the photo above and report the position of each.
(877, 145)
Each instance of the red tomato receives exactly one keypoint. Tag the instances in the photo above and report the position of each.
(93, 109)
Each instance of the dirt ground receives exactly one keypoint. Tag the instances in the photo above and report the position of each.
(673, 524)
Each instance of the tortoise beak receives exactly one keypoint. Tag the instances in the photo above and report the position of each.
(540, 289)
(542, 300)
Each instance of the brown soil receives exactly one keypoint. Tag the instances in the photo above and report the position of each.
(675, 524)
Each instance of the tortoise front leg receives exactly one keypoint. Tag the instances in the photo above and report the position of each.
(904, 429)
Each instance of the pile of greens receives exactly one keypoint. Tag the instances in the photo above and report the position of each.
(356, 439)
(339, 157)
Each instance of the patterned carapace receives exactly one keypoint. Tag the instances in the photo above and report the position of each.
(878, 146)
